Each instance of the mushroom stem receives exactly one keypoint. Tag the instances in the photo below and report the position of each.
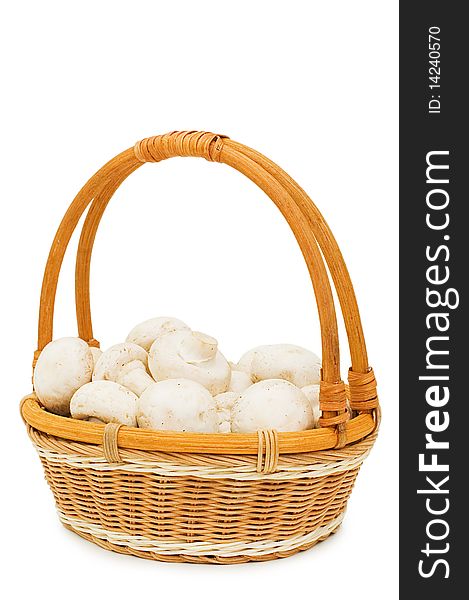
(189, 355)
(118, 364)
(134, 377)
(198, 347)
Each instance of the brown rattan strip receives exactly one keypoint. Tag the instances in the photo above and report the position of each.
(363, 393)
(110, 446)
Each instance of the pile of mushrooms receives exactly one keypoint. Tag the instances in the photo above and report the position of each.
(167, 377)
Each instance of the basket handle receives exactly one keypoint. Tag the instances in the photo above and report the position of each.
(303, 217)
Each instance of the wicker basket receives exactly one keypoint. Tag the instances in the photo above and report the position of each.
(217, 498)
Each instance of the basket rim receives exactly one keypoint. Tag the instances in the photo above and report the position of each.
(324, 438)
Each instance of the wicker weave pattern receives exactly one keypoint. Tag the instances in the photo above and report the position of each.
(218, 498)
(139, 543)
(281, 550)
(190, 507)
(206, 466)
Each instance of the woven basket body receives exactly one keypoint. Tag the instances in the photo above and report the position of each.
(218, 498)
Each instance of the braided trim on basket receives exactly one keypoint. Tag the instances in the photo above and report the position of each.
(363, 393)
(91, 455)
(165, 469)
(180, 143)
(144, 544)
(171, 468)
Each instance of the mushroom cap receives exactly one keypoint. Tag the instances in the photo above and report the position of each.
(312, 393)
(240, 381)
(176, 355)
(282, 361)
(177, 405)
(63, 366)
(144, 334)
(96, 352)
(105, 400)
(271, 404)
(111, 362)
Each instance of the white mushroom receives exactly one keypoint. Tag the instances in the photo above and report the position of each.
(312, 393)
(134, 376)
(224, 405)
(96, 352)
(177, 405)
(239, 382)
(105, 402)
(63, 366)
(144, 334)
(282, 361)
(125, 364)
(190, 355)
(271, 404)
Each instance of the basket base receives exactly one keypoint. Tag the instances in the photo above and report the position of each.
(204, 559)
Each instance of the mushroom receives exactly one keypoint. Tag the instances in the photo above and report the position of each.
(282, 361)
(96, 352)
(144, 334)
(104, 402)
(125, 364)
(63, 366)
(177, 405)
(271, 404)
(239, 382)
(224, 405)
(312, 393)
(190, 355)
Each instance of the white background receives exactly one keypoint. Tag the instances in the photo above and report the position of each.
(313, 85)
